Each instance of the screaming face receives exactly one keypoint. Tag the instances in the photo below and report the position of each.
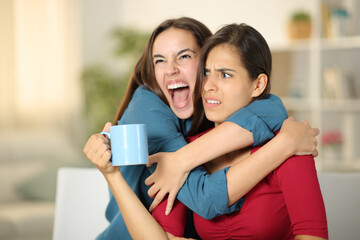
(175, 58)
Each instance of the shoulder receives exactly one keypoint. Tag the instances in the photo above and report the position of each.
(272, 103)
(297, 171)
(142, 95)
(295, 165)
(298, 162)
(146, 106)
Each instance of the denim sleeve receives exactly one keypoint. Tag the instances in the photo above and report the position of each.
(263, 118)
(206, 194)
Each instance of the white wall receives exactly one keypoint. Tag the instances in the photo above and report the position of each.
(267, 16)
(99, 17)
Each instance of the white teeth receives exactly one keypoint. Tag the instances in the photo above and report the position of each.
(213, 101)
(177, 85)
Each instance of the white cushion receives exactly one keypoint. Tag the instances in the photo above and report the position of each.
(81, 198)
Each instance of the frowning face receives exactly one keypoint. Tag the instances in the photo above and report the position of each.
(176, 59)
(227, 85)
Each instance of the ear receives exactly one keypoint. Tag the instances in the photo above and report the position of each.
(259, 85)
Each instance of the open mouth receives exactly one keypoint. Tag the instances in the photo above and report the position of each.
(180, 94)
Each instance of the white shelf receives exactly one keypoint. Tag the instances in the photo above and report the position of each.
(304, 61)
(341, 105)
(305, 104)
(341, 43)
(292, 46)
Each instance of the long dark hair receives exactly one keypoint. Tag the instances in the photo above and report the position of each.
(144, 74)
(254, 54)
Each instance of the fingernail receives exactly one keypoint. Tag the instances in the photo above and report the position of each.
(167, 212)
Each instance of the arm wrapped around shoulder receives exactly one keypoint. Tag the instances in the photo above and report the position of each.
(262, 117)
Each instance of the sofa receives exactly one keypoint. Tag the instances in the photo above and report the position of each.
(25, 214)
(29, 161)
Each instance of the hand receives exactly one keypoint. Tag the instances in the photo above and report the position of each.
(168, 178)
(300, 137)
(97, 150)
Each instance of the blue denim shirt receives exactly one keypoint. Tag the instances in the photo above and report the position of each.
(203, 193)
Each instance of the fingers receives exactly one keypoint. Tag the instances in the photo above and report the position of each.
(97, 150)
(315, 153)
(305, 122)
(159, 197)
(107, 127)
(103, 161)
(94, 141)
(153, 159)
(153, 191)
(316, 131)
(170, 203)
(291, 118)
(89, 143)
(150, 180)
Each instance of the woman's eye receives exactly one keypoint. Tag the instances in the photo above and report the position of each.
(158, 61)
(206, 72)
(185, 56)
(226, 75)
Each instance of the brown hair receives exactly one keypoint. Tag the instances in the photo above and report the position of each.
(143, 73)
(254, 54)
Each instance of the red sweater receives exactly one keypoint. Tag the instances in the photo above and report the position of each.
(286, 203)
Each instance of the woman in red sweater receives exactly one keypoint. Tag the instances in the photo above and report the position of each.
(228, 85)
(287, 204)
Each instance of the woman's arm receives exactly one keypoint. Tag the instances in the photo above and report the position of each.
(300, 139)
(174, 168)
(298, 182)
(251, 125)
(308, 237)
(293, 138)
(140, 223)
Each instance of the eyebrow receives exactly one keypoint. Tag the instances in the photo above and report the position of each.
(222, 69)
(179, 53)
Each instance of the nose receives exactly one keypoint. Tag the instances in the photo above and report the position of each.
(171, 68)
(209, 83)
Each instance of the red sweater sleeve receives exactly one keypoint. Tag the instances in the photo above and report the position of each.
(174, 223)
(298, 181)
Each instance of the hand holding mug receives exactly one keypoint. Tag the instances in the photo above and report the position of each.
(128, 144)
(97, 150)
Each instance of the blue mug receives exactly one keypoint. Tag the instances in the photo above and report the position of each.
(129, 144)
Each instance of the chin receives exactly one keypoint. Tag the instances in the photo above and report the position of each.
(183, 113)
(214, 119)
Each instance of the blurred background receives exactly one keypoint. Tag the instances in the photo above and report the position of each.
(64, 65)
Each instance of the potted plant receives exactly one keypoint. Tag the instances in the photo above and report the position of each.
(300, 25)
